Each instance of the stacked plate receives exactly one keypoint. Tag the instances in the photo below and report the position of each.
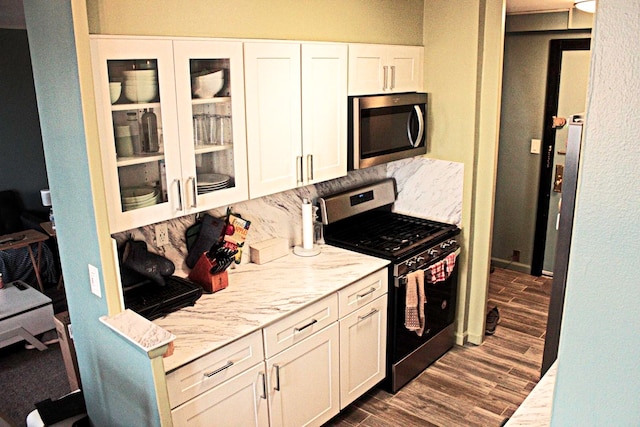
(209, 182)
(139, 197)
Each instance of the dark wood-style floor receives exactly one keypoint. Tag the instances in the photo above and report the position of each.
(471, 385)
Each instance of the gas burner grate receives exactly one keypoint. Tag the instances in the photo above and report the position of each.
(385, 233)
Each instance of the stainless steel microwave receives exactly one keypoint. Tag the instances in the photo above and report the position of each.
(385, 128)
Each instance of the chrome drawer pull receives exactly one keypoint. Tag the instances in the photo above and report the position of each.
(277, 387)
(217, 371)
(369, 314)
(305, 326)
(264, 386)
(370, 291)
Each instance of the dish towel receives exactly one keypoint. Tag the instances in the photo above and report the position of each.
(415, 301)
(450, 263)
(436, 272)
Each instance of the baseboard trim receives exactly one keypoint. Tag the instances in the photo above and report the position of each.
(461, 338)
(511, 265)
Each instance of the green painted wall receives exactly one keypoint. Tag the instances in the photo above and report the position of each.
(117, 379)
(598, 381)
(463, 69)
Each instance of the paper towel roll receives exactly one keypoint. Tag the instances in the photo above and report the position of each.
(307, 224)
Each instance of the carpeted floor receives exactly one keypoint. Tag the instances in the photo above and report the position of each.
(27, 377)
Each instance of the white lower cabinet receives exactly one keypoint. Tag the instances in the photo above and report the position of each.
(303, 381)
(363, 336)
(298, 371)
(239, 402)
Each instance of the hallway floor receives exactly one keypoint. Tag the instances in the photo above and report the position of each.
(471, 385)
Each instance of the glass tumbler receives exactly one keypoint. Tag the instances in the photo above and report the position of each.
(199, 130)
(223, 130)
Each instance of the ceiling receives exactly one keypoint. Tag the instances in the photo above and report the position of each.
(12, 15)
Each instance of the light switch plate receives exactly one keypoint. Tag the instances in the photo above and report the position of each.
(535, 146)
(94, 278)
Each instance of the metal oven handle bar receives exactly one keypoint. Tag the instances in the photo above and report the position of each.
(402, 280)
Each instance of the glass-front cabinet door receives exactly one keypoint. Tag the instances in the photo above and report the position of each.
(137, 117)
(171, 118)
(210, 96)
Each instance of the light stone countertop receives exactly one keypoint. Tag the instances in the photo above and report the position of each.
(258, 295)
(535, 411)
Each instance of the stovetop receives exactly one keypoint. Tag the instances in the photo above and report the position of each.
(387, 234)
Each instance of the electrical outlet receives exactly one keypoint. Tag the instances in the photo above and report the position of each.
(515, 257)
(162, 234)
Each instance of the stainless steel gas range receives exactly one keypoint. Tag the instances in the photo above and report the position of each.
(363, 220)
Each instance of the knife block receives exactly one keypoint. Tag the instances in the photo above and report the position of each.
(210, 282)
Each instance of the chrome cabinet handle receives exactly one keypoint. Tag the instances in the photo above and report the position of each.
(217, 371)
(386, 73)
(370, 291)
(309, 167)
(277, 387)
(313, 321)
(393, 77)
(179, 194)
(418, 113)
(299, 169)
(264, 385)
(369, 314)
(194, 192)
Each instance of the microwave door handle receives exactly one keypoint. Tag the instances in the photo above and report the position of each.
(418, 113)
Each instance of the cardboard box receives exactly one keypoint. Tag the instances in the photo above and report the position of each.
(65, 337)
(268, 250)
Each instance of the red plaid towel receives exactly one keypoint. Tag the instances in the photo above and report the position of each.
(450, 262)
(437, 272)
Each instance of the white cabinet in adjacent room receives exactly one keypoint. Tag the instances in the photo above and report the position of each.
(296, 101)
(375, 69)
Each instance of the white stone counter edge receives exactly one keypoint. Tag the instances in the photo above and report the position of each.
(535, 411)
(259, 295)
(138, 330)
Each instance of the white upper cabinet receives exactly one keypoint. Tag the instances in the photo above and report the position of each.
(375, 69)
(171, 122)
(324, 111)
(296, 114)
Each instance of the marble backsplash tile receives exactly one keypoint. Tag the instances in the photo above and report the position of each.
(427, 188)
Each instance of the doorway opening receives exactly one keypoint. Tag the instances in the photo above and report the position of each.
(567, 79)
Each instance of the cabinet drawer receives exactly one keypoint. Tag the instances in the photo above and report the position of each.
(362, 292)
(214, 368)
(299, 325)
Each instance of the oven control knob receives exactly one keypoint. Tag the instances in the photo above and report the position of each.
(410, 262)
(432, 253)
(419, 258)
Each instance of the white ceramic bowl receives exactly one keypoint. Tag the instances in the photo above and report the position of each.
(115, 89)
(137, 74)
(140, 92)
(208, 85)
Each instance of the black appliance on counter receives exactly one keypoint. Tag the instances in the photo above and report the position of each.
(151, 301)
(363, 220)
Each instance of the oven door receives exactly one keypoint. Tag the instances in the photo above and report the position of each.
(440, 311)
(386, 128)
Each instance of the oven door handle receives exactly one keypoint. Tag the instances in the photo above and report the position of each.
(402, 280)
